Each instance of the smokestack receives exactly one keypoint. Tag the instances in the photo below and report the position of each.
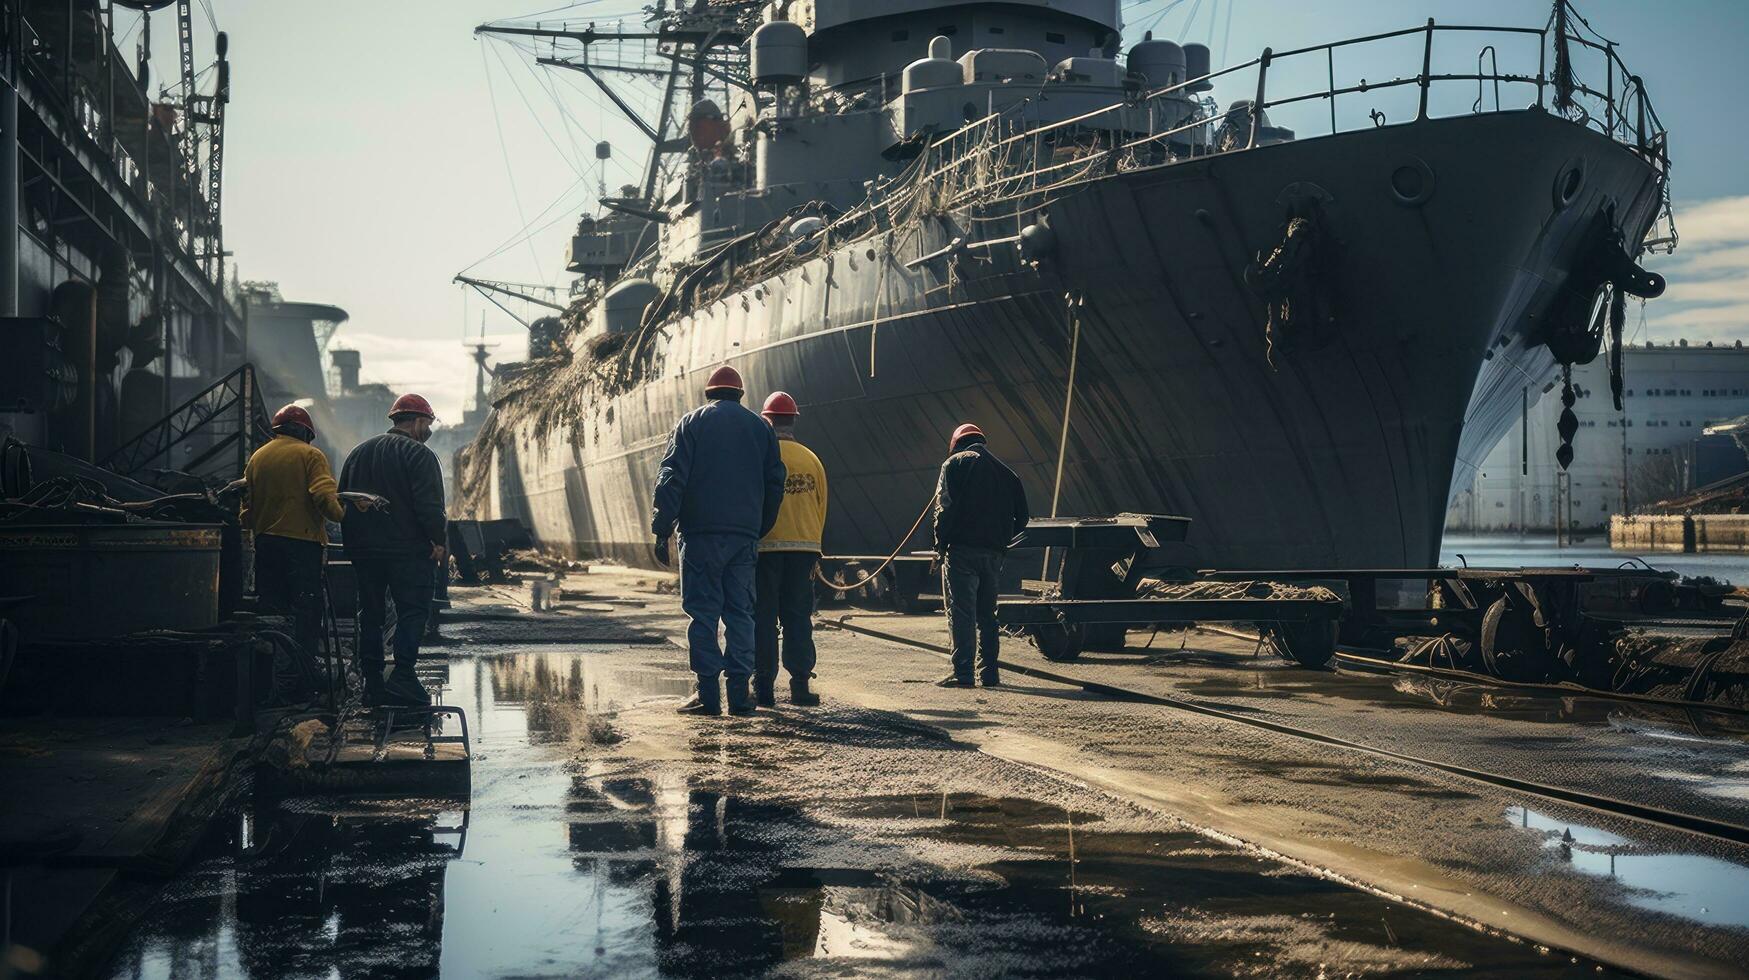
(346, 362)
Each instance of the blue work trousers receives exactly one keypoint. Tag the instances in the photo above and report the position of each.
(717, 573)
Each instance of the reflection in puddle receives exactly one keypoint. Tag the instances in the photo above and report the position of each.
(1691, 886)
(593, 850)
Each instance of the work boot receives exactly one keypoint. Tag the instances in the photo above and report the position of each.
(697, 706)
(707, 701)
(800, 696)
(741, 702)
(765, 691)
(373, 687)
(991, 680)
(403, 688)
(954, 680)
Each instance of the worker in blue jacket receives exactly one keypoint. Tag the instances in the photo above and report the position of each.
(721, 483)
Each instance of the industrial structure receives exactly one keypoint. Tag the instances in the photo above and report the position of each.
(1656, 447)
(113, 279)
(292, 343)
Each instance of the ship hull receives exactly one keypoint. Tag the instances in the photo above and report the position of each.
(1337, 452)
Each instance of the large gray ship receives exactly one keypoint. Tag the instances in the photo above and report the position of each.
(911, 214)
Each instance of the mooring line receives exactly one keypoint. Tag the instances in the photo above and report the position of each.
(1655, 816)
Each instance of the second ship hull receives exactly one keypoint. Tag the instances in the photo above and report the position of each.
(1340, 454)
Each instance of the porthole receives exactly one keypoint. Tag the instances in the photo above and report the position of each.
(1569, 183)
(1412, 182)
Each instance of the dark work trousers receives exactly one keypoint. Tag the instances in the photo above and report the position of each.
(716, 585)
(968, 581)
(288, 577)
(408, 581)
(786, 597)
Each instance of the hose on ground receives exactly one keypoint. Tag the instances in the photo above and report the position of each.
(870, 577)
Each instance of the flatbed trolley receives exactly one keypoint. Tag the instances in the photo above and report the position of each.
(1095, 597)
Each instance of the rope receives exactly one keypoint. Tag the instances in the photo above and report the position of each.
(870, 577)
(1071, 304)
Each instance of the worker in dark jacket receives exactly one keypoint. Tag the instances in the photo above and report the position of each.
(721, 483)
(291, 498)
(979, 507)
(394, 549)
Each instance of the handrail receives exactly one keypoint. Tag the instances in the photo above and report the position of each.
(230, 409)
(955, 149)
(999, 156)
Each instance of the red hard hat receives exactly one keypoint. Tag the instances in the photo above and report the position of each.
(293, 415)
(724, 377)
(412, 405)
(965, 429)
(780, 404)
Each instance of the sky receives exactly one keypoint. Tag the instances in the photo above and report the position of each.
(375, 148)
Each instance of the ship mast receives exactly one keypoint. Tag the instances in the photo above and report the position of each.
(686, 41)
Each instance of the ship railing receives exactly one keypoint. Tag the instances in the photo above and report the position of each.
(1003, 153)
(1010, 155)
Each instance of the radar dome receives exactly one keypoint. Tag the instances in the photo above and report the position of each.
(778, 53)
(936, 71)
(1162, 63)
(1197, 65)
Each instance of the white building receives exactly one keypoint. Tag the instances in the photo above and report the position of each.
(1622, 460)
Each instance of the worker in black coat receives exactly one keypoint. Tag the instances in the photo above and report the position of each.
(979, 508)
(395, 551)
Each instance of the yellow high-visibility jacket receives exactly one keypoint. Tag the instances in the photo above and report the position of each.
(291, 491)
(803, 513)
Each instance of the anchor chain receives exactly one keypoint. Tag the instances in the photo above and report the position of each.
(1591, 304)
(1569, 422)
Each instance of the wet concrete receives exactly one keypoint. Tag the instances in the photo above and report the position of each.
(1401, 828)
(607, 836)
(1686, 760)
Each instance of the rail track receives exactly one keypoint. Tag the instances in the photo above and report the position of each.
(1719, 830)
(1356, 660)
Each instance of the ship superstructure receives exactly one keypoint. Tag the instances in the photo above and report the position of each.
(917, 213)
(112, 252)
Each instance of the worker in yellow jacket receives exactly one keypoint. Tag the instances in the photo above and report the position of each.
(788, 555)
(291, 496)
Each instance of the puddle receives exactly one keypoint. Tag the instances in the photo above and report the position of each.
(590, 852)
(1690, 886)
